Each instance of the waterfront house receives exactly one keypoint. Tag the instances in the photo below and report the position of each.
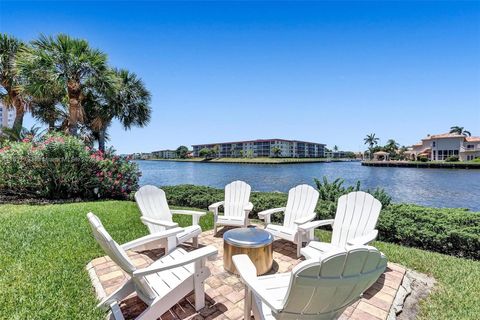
(439, 147)
(264, 148)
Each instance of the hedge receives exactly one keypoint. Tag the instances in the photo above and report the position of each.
(450, 231)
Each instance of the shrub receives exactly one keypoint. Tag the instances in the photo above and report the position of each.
(452, 159)
(451, 231)
(63, 167)
(422, 159)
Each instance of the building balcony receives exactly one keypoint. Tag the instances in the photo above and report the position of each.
(474, 149)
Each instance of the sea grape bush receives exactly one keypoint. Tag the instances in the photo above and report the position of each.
(63, 167)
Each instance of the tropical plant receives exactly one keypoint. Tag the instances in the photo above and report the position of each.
(182, 152)
(13, 134)
(460, 131)
(331, 191)
(126, 99)
(204, 153)
(335, 148)
(371, 141)
(65, 62)
(10, 79)
(215, 151)
(391, 146)
(276, 151)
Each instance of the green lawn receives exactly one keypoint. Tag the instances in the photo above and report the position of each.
(44, 250)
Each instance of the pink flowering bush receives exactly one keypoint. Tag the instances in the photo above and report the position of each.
(63, 167)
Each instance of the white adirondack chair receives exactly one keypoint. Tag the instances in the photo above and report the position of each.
(157, 216)
(300, 210)
(354, 224)
(314, 289)
(236, 206)
(162, 284)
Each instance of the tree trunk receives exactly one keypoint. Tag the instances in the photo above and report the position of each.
(75, 109)
(19, 105)
(18, 122)
(101, 139)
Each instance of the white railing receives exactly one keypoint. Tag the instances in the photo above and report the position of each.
(475, 148)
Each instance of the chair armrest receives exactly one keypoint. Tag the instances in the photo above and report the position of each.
(214, 206)
(151, 237)
(315, 224)
(208, 252)
(369, 237)
(305, 219)
(265, 215)
(163, 223)
(248, 207)
(195, 215)
(248, 275)
(189, 212)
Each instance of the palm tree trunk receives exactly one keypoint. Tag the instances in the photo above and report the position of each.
(18, 122)
(75, 106)
(19, 106)
(101, 139)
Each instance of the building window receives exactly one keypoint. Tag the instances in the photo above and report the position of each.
(434, 144)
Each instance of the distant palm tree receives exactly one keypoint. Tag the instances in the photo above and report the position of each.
(277, 151)
(128, 101)
(10, 79)
(391, 145)
(460, 131)
(66, 62)
(335, 148)
(371, 141)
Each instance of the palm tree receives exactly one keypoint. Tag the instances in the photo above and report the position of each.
(277, 151)
(65, 62)
(128, 101)
(460, 131)
(372, 141)
(391, 145)
(335, 148)
(34, 133)
(10, 79)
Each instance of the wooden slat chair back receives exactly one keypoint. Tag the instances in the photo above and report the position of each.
(120, 257)
(324, 289)
(237, 197)
(301, 203)
(357, 214)
(152, 202)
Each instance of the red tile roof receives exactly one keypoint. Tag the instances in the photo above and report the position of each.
(472, 139)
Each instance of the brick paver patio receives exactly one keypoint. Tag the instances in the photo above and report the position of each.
(225, 292)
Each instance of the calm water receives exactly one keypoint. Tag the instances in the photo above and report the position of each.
(430, 187)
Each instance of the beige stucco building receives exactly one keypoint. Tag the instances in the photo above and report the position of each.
(7, 116)
(439, 147)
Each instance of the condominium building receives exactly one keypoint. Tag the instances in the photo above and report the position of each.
(7, 116)
(264, 148)
(164, 154)
(439, 147)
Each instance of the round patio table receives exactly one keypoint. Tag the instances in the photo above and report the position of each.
(256, 243)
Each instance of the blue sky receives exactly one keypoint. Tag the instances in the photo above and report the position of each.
(328, 72)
